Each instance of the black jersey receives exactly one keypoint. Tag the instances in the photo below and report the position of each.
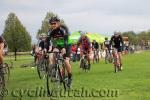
(116, 41)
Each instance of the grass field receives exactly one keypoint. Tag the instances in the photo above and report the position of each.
(133, 83)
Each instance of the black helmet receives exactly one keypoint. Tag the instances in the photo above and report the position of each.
(106, 38)
(54, 19)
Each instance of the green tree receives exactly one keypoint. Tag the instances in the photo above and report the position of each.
(16, 35)
(143, 39)
(133, 38)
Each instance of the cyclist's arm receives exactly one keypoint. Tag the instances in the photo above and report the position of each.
(66, 41)
(41, 45)
(121, 39)
(49, 40)
(66, 35)
(111, 40)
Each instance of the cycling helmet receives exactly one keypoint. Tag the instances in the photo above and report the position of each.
(82, 33)
(106, 38)
(54, 19)
(43, 35)
(116, 32)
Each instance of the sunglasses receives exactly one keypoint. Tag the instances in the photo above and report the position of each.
(53, 23)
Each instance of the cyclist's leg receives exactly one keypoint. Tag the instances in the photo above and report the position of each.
(93, 55)
(52, 57)
(88, 55)
(106, 55)
(119, 54)
(97, 52)
(68, 65)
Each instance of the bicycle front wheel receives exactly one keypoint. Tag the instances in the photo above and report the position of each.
(41, 68)
(6, 72)
(52, 81)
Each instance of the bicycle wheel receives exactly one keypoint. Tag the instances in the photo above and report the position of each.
(81, 63)
(2, 80)
(61, 77)
(106, 59)
(6, 71)
(50, 80)
(55, 79)
(2, 85)
(115, 65)
(41, 68)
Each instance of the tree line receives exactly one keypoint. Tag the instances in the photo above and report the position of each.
(140, 38)
(19, 39)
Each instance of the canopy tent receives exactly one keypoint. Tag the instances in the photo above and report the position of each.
(95, 36)
(74, 36)
(92, 36)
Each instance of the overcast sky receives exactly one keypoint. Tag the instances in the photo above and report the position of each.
(100, 16)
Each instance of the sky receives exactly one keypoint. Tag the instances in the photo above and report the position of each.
(96, 16)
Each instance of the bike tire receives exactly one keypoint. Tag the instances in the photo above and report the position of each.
(49, 80)
(2, 80)
(41, 68)
(62, 78)
(6, 71)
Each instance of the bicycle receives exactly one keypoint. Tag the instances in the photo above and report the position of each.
(116, 61)
(84, 62)
(56, 75)
(4, 75)
(42, 63)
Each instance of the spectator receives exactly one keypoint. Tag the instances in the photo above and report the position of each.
(74, 49)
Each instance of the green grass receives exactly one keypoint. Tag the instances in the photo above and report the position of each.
(133, 83)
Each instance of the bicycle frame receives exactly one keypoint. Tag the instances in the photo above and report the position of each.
(116, 61)
(84, 61)
(43, 63)
(59, 70)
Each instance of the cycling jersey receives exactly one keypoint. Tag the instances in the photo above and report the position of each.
(44, 45)
(117, 42)
(59, 38)
(95, 45)
(107, 44)
(85, 42)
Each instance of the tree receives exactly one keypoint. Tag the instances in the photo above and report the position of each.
(143, 38)
(45, 23)
(16, 35)
(133, 39)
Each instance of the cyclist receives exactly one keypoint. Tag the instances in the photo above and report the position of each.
(42, 47)
(117, 42)
(58, 41)
(84, 41)
(43, 44)
(95, 48)
(107, 45)
(1, 50)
